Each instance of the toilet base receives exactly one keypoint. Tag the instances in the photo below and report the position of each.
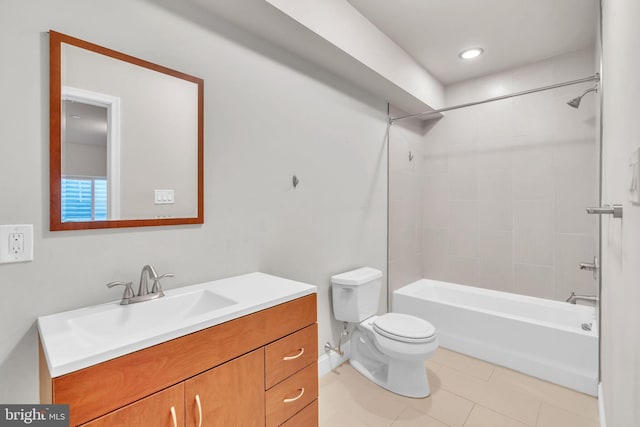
(405, 382)
(401, 376)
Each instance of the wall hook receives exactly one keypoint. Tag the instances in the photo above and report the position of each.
(410, 156)
(296, 181)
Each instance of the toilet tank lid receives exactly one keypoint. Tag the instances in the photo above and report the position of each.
(356, 277)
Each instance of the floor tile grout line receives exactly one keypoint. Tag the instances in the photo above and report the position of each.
(436, 418)
(490, 409)
(467, 373)
(511, 418)
(538, 417)
(469, 414)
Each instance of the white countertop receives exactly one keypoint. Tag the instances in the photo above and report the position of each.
(80, 338)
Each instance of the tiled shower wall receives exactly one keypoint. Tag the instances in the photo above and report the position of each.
(503, 186)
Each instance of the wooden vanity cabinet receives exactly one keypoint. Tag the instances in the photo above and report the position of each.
(229, 395)
(227, 368)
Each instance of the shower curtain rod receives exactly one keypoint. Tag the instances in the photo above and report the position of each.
(595, 77)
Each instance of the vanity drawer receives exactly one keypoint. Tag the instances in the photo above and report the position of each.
(308, 417)
(291, 395)
(290, 354)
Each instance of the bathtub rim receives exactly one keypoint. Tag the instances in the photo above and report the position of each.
(408, 290)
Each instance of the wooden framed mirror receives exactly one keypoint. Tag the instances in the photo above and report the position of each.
(126, 140)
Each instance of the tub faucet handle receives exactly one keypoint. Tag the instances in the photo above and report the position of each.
(615, 210)
(591, 266)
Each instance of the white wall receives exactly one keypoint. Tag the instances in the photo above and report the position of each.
(506, 183)
(268, 115)
(620, 314)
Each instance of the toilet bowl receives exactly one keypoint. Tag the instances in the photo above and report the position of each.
(388, 349)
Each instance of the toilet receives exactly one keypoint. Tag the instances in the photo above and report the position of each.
(389, 349)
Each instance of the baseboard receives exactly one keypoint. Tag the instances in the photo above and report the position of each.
(601, 416)
(328, 361)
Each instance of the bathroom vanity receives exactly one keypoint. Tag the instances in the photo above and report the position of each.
(251, 361)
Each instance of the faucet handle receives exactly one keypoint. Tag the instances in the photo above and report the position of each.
(128, 291)
(156, 283)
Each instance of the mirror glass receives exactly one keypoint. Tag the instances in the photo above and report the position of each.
(126, 140)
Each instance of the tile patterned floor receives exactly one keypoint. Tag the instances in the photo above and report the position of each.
(465, 392)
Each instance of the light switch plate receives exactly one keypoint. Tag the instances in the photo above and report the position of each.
(16, 243)
(164, 197)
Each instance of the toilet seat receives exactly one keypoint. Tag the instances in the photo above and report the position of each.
(404, 328)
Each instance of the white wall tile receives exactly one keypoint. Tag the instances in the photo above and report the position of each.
(464, 271)
(495, 154)
(494, 185)
(533, 232)
(435, 155)
(576, 186)
(496, 246)
(496, 260)
(462, 128)
(532, 115)
(534, 280)
(462, 242)
(435, 201)
(495, 215)
(495, 119)
(533, 170)
(497, 275)
(463, 186)
(434, 253)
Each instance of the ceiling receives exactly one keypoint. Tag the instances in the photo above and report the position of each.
(511, 32)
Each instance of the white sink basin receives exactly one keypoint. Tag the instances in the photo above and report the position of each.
(80, 338)
(158, 314)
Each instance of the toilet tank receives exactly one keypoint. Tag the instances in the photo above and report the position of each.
(356, 294)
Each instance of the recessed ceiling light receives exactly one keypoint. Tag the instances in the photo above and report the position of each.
(474, 52)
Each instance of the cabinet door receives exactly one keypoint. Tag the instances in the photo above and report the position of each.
(231, 394)
(154, 410)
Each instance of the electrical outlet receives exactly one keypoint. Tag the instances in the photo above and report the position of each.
(16, 243)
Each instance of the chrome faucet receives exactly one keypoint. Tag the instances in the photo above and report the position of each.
(148, 272)
(573, 298)
(143, 286)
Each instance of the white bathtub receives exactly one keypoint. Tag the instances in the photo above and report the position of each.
(539, 337)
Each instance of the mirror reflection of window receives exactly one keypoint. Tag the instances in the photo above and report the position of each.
(84, 199)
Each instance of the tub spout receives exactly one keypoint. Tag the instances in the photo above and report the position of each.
(573, 298)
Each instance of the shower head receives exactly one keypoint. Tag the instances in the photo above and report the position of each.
(575, 102)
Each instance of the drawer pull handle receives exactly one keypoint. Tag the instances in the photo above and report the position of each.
(296, 356)
(199, 411)
(293, 399)
(173, 417)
